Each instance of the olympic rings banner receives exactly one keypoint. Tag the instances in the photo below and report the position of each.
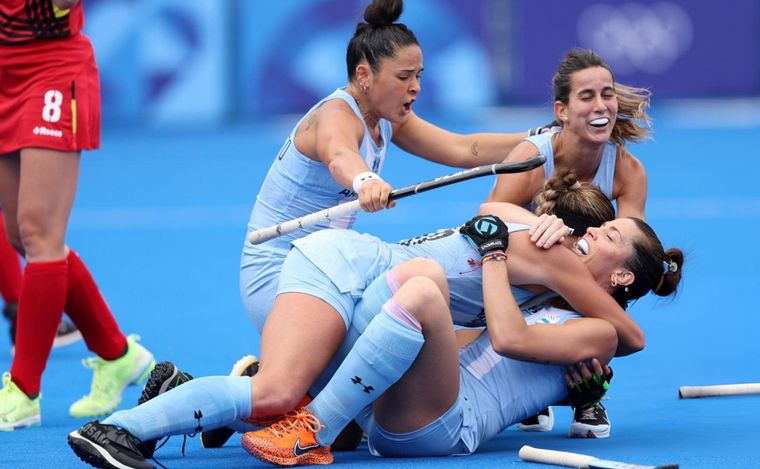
(214, 62)
(678, 48)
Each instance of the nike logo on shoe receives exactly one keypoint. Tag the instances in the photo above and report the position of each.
(299, 450)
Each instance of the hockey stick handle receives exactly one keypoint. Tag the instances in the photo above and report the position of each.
(688, 392)
(582, 461)
(265, 234)
(557, 458)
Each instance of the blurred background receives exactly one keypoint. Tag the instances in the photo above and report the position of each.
(199, 95)
(212, 62)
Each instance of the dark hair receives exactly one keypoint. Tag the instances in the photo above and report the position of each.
(653, 268)
(632, 102)
(379, 37)
(579, 204)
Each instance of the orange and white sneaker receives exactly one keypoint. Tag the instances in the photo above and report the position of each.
(272, 419)
(290, 442)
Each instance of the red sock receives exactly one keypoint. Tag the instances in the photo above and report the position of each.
(88, 309)
(43, 294)
(10, 268)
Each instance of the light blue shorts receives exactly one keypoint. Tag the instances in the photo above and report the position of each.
(300, 275)
(441, 437)
(259, 277)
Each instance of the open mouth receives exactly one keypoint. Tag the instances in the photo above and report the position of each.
(408, 106)
(600, 122)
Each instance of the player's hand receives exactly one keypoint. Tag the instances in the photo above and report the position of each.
(548, 230)
(373, 195)
(587, 383)
(487, 233)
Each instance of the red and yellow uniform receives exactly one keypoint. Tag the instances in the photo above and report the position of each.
(49, 85)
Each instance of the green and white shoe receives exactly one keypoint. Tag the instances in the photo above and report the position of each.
(16, 409)
(111, 377)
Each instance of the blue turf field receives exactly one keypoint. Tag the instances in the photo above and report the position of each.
(160, 219)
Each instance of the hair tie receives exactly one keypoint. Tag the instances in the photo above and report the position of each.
(669, 266)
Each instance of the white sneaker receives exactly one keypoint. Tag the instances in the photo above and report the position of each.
(541, 422)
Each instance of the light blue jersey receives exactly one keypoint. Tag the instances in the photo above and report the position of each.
(352, 260)
(296, 186)
(605, 174)
(501, 391)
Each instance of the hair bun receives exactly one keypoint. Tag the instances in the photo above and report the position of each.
(383, 12)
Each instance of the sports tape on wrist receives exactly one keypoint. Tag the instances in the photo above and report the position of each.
(361, 178)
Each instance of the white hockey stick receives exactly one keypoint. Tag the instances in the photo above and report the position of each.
(562, 458)
(688, 392)
(265, 234)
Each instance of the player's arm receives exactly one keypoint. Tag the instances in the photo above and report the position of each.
(337, 135)
(518, 188)
(631, 178)
(572, 280)
(565, 344)
(433, 143)
(545, 230)
(508, 332)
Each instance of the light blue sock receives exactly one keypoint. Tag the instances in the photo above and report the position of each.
(200, 404)
(379, 291)
(382, 354)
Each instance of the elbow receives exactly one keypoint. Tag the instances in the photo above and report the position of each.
(638, 342)
(632, 345)
(510, 346)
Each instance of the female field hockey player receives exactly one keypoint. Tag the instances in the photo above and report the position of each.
(336, 151)
(50, 108)
(597, 118)
(606, 252)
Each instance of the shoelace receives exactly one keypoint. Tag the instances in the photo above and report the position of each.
(295, 420)
(97, 364)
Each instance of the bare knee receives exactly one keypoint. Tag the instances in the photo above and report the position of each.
(38, 240)
(422, 297)
(421, 267)
(271, 397)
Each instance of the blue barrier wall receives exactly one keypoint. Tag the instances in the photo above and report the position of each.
(210, 61)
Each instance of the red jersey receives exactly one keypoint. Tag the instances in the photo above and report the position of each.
(22, 21)
(49, 86)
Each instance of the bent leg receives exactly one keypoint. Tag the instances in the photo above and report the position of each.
(300, 337)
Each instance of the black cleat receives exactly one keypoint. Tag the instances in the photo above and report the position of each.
(246, 366)
(590, 423)
(165, 376)
(107, 446)
(66, 334)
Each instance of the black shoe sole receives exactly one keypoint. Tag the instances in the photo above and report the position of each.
(216, 438)
(90, 453)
